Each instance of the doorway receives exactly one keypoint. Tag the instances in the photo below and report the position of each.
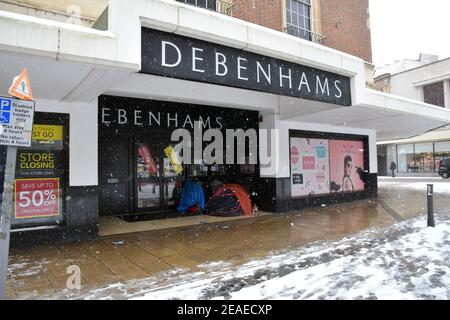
(135, 175)
(156, 184)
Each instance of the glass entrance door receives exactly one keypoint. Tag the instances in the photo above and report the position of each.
(157, 186)
(148, 177)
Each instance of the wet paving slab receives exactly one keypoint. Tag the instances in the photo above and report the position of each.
(41, 271)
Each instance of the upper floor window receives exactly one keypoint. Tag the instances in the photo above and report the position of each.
(208, 4)
(434, 94)
(298, 18)
(222, 6)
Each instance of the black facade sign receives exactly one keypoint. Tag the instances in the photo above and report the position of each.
(170, 55)
(129, 116)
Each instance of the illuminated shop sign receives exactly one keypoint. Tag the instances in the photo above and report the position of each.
(170, 55)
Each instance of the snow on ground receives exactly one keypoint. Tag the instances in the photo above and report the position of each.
(415, 266)
(405, 261)
(440, 185)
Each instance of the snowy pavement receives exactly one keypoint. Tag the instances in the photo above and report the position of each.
(440, 185)
(405, 261)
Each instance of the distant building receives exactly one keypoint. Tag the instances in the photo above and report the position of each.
(426, 79)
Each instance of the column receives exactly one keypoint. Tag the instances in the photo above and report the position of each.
(447, 93)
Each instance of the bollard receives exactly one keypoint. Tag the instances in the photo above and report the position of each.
(430, 222)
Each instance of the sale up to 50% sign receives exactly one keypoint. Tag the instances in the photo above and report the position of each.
(36, 198)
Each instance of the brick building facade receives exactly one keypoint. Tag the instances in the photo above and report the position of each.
(339, 24)
(344, 23)
(267, 13)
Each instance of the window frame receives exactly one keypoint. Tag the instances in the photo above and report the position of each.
(305, 31)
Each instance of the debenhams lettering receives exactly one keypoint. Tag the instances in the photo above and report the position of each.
(141, 118)
(180, 57)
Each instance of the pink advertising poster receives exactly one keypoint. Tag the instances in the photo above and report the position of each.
(345, 159)
(309, 167)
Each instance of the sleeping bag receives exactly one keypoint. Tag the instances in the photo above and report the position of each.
(192, 195)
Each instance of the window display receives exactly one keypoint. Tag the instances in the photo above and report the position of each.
(324, 166)
(148, 174)
(309, 167)
(405, 155)
(441, 151)
(424, 158)
(346, 164)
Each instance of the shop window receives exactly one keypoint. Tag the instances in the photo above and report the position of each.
(218, 170)
(434, 94)
(41, 174)
(199, 170)
(405, 158)
(424, 157)
(441, 151)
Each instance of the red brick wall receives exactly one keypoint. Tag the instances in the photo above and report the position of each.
(265, 13)
(345, 24)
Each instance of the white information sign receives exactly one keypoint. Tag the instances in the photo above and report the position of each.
(16, 122)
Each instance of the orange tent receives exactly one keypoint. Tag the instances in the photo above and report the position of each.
(242, 195)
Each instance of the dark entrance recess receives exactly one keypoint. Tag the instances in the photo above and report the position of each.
(132, 129)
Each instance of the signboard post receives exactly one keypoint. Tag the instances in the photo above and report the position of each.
(16, 126)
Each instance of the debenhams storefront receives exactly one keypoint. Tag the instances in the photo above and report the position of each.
(108, 103)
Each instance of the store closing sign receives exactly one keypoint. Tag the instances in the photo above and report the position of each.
(38, 163)
(48, 135)
(171, 55)
(38, 173)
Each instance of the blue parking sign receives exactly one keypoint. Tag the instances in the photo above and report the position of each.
(5, 104)
(5, 111)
